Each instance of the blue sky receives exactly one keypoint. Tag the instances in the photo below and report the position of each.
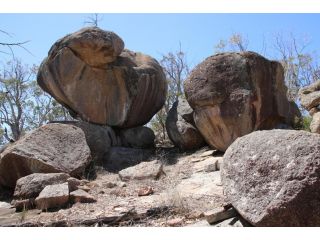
(155, 34)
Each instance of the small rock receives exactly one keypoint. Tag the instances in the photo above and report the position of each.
(31, 185)
(122, 184)
(208, 165)
(219, 214)
(109, 185)
(82, 197)
(73, 184)
(175, 222)
(207, 153)
(144, 170)
(84, 188)
(145, 191)
(5, 205)
(53, 196)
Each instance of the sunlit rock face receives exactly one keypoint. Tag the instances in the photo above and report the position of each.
(233, 94)
(91, 74)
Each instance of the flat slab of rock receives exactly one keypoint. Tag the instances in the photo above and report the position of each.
(219, 214)
(272, 178)
(51, 148)
(31, 185)
(81, 196)
(201, 184)
(144, 170)
(119, 158)
(53, 196)
(207, 165)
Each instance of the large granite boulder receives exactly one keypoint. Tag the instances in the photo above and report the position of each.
(181, 128)
(233, 94)
(272, 177)
(89, 73)
(51, 148)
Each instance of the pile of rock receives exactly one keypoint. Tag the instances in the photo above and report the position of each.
(49, 190)
(111, 90)
(310, 99)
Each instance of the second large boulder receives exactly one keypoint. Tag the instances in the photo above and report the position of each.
(234, 94)
(89, 73)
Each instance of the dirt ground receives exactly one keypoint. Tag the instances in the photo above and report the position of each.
(188, 186)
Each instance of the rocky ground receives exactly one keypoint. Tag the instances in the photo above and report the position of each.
(176, 190)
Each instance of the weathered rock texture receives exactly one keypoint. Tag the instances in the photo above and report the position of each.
(30, 186)
(272, 177)
(234, 94)
(89, 73)
(49, 149)
(53, 196)
(181, 128)
(99, 138)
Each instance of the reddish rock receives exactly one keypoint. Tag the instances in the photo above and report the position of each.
(90, 74)
(234, 94)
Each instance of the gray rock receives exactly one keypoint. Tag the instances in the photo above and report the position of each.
(53, 196)
(30, 186)
(181, 128)
(5, 205)
(49, 149)
(219, 214)
(138, 137)
(73, 184)
(119, 158)
(81, 196)
(207, 165)
(144, 170)
(272, 178)
(99, 138)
